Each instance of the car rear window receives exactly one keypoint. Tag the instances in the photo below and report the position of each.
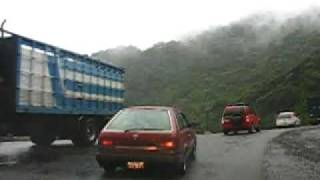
(234, 111)
(284, 116)
(138, 119)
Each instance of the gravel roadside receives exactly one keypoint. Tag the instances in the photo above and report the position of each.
(294, 155)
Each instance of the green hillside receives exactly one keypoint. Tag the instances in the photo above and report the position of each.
(270, 63)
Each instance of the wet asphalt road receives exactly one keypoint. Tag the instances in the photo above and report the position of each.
(219, 157)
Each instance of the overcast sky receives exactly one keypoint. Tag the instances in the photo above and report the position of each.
(87, 26)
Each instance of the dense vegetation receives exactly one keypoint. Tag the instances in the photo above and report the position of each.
(271, 63)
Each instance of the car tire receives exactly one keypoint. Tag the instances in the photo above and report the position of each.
(257, 129)
(181, 167)
(193, 154)
(109, 168)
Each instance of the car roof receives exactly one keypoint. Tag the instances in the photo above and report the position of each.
(167, 108)
(286, 113)
(238, 104)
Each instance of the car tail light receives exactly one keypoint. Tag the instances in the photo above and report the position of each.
(106, 142)
(168, 144)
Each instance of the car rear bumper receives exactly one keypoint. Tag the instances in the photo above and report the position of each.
(285, 124)
(106, 158)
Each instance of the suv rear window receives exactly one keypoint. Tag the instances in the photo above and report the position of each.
(233, 111)
(140, 119)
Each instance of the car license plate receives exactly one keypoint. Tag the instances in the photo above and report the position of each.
(135, 165)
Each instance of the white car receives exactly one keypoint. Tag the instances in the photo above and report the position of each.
(286, 119)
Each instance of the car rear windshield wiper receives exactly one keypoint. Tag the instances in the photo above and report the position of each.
(144, 129)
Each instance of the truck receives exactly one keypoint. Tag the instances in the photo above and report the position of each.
(49, 93)
(313, 104)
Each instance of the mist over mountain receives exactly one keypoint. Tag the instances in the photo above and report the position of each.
(268, 61)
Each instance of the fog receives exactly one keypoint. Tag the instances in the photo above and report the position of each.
(88, 26)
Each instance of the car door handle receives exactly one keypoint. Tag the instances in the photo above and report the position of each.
(189, 135)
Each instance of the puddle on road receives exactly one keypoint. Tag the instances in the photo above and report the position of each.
(7, 161)
(12, 153)
(39, 154)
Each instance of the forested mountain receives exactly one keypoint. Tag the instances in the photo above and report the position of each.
(270, 62)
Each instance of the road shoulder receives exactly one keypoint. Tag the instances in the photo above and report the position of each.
(293, 155)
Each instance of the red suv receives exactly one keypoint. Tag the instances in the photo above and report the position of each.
(239, 117)
(144, 136)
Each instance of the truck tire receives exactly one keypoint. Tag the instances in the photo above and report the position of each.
(42, 140)
(40, 134)
(86, 134)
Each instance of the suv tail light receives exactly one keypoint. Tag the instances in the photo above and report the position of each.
(224, 121)
(247, 119)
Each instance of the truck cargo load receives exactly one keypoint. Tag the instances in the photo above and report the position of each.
(45, 88)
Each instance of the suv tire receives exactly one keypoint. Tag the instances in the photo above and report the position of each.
(225, 132)
(251, 129)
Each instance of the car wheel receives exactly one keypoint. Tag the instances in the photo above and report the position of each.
(257, 129)
(193, 154)
(109, 168)
(182, 167)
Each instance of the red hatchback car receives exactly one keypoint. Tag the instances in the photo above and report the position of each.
(239, 117)
(141, 137)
